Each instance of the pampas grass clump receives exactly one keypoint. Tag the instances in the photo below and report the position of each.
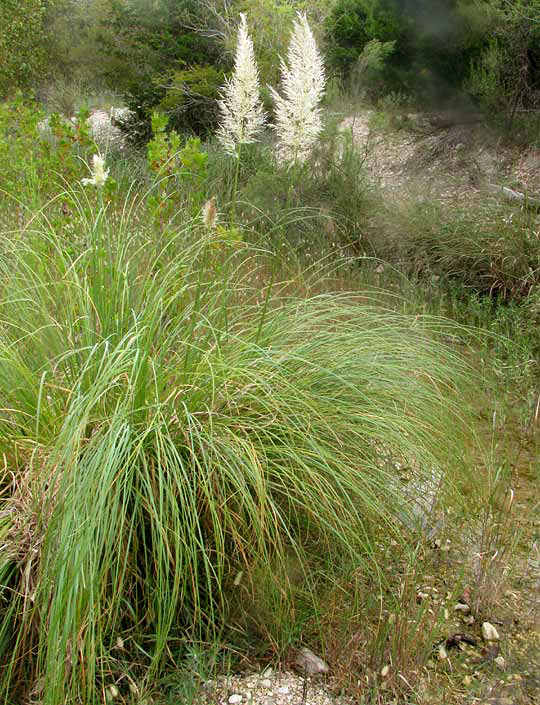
(161, 432)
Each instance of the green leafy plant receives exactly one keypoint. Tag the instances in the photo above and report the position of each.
(180, 168)
(171, 66)
(430, 57)
(505, 78)
(23, 43)
(190, 100)
(38, 154)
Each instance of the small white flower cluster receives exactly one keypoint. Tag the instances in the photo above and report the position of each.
(298, 116)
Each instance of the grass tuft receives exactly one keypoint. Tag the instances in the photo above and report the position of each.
(162, 435)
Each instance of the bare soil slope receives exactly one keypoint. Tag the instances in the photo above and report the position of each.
(441, 156)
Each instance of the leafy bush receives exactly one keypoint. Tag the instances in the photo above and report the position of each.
(505, 78)
(180, 169)
(35, 153)
(169, 65)
(433, 43)
(191, 98)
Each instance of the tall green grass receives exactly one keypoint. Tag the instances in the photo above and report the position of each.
(166, 427)
(489, 247)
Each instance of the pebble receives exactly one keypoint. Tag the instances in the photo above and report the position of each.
(489, 633)
(269, 688)
(442, 653)
(500, 662)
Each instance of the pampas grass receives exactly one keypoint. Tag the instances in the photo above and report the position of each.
(160, 434)
(242, 115)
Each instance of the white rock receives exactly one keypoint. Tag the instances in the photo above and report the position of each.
(309, 663)
(284, 690)
(462, 607)
(384, 671)
(442, 653)
(103, 131)
(266, 683)
(235, 699)
(489, 633)
(500, 662)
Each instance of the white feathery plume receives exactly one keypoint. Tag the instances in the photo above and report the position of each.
(297, 112)
(242, 115)
(98, 171)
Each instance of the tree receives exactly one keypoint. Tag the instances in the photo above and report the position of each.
(170, 62)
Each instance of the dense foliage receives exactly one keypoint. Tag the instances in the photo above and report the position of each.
(23, 42)
(168, 63)
(481, 48)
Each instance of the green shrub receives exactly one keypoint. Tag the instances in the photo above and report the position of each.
(180, 169)
(191, 98)
(433, 43)
(505, 77)
(169, 65)
(35, 156)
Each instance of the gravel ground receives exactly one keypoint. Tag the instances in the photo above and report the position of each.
(268, 688)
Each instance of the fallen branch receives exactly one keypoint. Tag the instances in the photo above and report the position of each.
(451, 119)
(515, 196)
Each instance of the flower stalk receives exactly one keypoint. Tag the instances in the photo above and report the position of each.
(242, 115)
